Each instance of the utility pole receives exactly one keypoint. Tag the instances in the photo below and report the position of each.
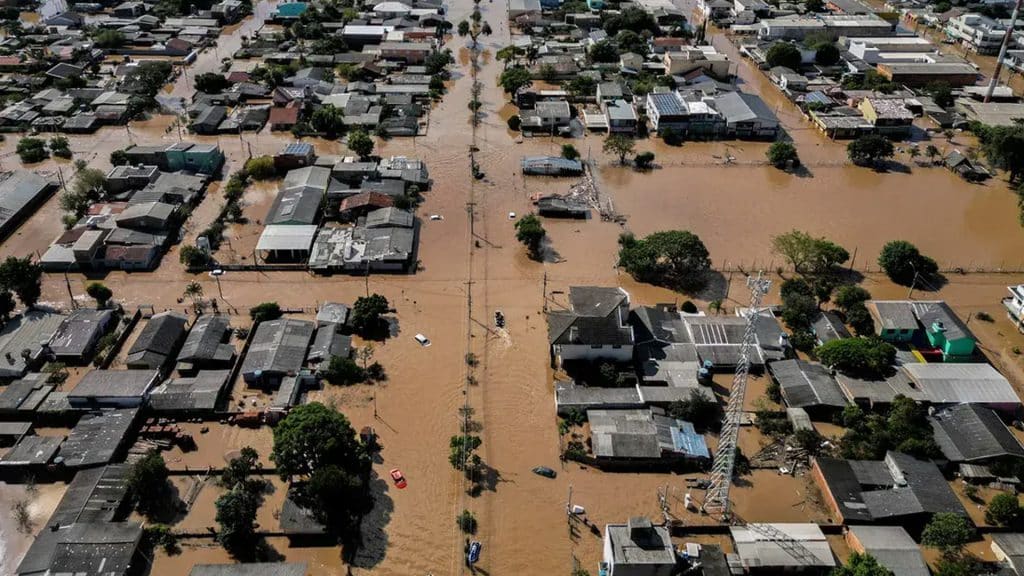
(1002, 50)
(545, 289)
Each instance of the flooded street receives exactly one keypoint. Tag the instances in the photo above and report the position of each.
(465, 276)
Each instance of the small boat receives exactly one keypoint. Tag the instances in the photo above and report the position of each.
(473, 556)
(545, 472)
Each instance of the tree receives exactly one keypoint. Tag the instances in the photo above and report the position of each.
(604, 51)
(313, 436)
(957, 564)
(360, 143)
(931, 152)
(869, 356)
(1003, 146)
(486, 29)
(149, 77)
(862, 565)
(514, 78)
(782, 155)
(437, 63)
(194, 292)
(676, 258)
(99, 292)
(850, 295)
(530, 233)
(631, 18)
(860, 319)
(211, 83)
(328, 120)
(23, 277)
(948, 532)
(869, 150)
(118, 158)
(109, 39)
(236, 514)
(343, 371)
(264, 312)
(60, 147)
(335, 495)
(644, 160)
(239, 468)
(7, 305)
(466, 522)
(941, 92)
(1004, 510)
(367, 312)
(814, 5)
(903, 263)
(261, 168)
(515, 122)
(799, 306)
(699, 409)
(147, 480)
(463, 28)
(620, 146)
(783, 54)
(826, 54)
(193, 257)
(807, 254)
(570, 152)
(461, 452)
(32, 150)
(629, 41)
(581, 86)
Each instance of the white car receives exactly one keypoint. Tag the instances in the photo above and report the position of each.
(423, 340)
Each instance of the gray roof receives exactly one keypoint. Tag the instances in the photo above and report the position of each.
(80, 331)
(102, 549)
(327, 343)
(32, 450)
(279, 346)
(389, 216)
(205, 341)
(639, 543)
(261, 569)
(389, 243)
(806, 384)
(827, 327)
(16, 396)
(96, 438)
(569, 396)
(893, 315)
(969, 432)
(200, 392)
(27, 331)
(741, 107)
(763, 551)
(930, 313)
(296, 205)
(893, 548)
(297, 520)
(158, 340)
(333, 313)
(948, 383)
(1012, 545)
(98, 384)
(17, 192)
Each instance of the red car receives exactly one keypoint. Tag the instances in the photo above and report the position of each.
(396, 475)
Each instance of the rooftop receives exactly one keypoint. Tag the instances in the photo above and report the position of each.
(96, 438)
(279, 346)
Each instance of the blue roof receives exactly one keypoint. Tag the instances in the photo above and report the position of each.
(667, 103)
(298, 149)
(686, 440)
(817, 96)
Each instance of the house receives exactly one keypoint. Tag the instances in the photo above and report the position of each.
(328, 343)
(206, 346)
(283, 118)
(746, 116)
(644, 435)
(1014, 304)
(758, 8)
(974, 434)
(209, 120)
(30, 455)
(24, 342)
(782, 548)
(963, 167)
(257, 569)
(638, 548)
(889, 116)
(919, 74)
(1008, 549)
(21, 191)
(928, 323)
(899, 490)
(546, 115)
(189, 395)
(891, 546)
(298, 201)
(807, 385)
(666, 111)
(828, 327)
(300, 524)
(978, 32)
(621, 116)
(78, 335)
(278, 349)
(112, 388)
(295, 155)
(127, 177)
(594, 327)
(106, 548)
(408, 52)
(938, 384)
(286, 242)
(529, 9)
(158, 341)
(146, 216)
(550, 166)
(98, 439)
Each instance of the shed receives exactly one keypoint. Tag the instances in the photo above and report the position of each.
(77, 336)
(766, 547)
(807, 384)
(98, 439)
(158, 341)
(891, 546)
(973, 433)
(199, 393)
(23, 340)
(112, 388)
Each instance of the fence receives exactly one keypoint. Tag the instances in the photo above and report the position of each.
(780, 266)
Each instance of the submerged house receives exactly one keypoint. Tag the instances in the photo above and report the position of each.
(278, 349)
(158, 341)
(594, 327)
(639, 548)
(929, 323)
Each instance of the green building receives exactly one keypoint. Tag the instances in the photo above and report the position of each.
(932, 323)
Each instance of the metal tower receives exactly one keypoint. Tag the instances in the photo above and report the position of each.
(716, 501)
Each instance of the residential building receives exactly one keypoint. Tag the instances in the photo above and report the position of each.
(621, 115)
(916, 75)
(978, 32)
(670, 111)
(638, 548)
(930, 324)
(746, 116)
(828, 327)
(848, 25)
(594, 327)
(1008, 548)
(113, 388)
(899, 490)
(408, 52)
(768, 549)
(974, 434)
(889, 116)
(551, 166)
(807, 385)
(156, 345)
(278, 349)
(206, 346)
(78, 335)
(546, 116)
(98, 439)
(24, 342)
(891, 546)
(21, 191)
(189, 395)
(1014, 304)
(935, 383)
(644, 436)
(529, 9)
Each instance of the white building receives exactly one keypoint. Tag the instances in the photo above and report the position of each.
(594, 327)
(638, 548)
(978, 32)
(1015, 305)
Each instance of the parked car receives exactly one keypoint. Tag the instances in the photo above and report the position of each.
(398, 478)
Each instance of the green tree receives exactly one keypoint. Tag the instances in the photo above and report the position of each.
(60, 147)
(826, 54)
(211, 83)
(149, 78)
(23, 277)
(799, 306)
(783, 54)
(261, 168)
(808, 254)
(869, 150)
(531, 233)
(32, 150)
(782, 155)
(7, 305)
(240, 468)
(236, 515)
(675, 258)
(941, 92)
(99, 292)
(265, 311)
(1004, 510)
(328, 120)
(862, 565)
(437, 63)
(147, 481)
(514, 78)
(193, 257)
(947, 531)
(1003, 146)
(360, 143)
(849, 296)
(869, 356)
(119, 158)
(630, 18)
(700, 410)
(313, 436)
(570, 152)
(644, 160)
(343, 371)
(367, 312)
(604, 51)
(463, 28)
(931, 152)
(466, 522)
(902, 262)
(860, 319)
(336, 495)
(958, 564)
(581, 86)
(629, 41)
(109, 38)
(620, 146)
(462, 452)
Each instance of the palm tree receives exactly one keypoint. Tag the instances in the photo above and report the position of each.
(931, 151)
(715, 306)
(914, 152)
(194, 291)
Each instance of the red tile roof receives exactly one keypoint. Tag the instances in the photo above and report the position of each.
(284, 116)
(375, 199)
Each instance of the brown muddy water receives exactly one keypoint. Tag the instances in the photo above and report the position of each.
(735, 208)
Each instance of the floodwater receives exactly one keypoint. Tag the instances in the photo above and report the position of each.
(470, 271)
(40, 501)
